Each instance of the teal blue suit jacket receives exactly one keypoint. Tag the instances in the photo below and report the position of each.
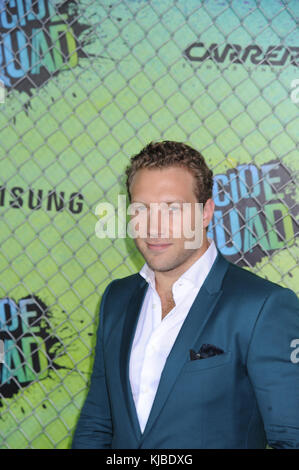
(246, 397)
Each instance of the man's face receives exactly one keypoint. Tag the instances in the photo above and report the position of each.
(174, 186)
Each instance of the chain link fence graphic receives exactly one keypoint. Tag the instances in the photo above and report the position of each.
(87, 85)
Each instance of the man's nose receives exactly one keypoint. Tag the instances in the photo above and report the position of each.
(158, 222)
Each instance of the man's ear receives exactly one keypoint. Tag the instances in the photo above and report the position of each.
(208, 212)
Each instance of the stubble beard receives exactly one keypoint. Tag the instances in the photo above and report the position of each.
(168, 265)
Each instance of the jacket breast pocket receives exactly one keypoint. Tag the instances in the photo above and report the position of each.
(207, 363)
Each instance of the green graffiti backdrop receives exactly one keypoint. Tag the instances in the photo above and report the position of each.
(87, 84)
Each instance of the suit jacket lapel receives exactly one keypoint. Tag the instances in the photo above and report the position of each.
(130, 324)
(192, 327)
(189, 333)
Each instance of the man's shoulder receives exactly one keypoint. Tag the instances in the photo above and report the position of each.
(247, 280)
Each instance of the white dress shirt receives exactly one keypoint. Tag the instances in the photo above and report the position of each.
(155, 337)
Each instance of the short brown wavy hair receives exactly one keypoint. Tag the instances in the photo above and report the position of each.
(168, 154)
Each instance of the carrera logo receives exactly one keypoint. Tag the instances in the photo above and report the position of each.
(235, 53)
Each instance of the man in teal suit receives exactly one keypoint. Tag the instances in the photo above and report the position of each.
(192, 351)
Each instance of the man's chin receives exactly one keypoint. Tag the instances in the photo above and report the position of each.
(162, 263)
(160, 268)
(157, 261)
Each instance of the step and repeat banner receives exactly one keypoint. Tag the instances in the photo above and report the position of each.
(85, 85)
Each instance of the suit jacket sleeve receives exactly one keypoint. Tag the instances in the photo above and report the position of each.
(94, 428)
(272, 369)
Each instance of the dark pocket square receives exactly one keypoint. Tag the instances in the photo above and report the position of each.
(206, 350)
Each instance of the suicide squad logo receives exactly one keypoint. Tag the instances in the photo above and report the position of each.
(27, 347)
(38, 39)
(255, 212)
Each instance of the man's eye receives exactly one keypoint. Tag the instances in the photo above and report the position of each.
(174, 208)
